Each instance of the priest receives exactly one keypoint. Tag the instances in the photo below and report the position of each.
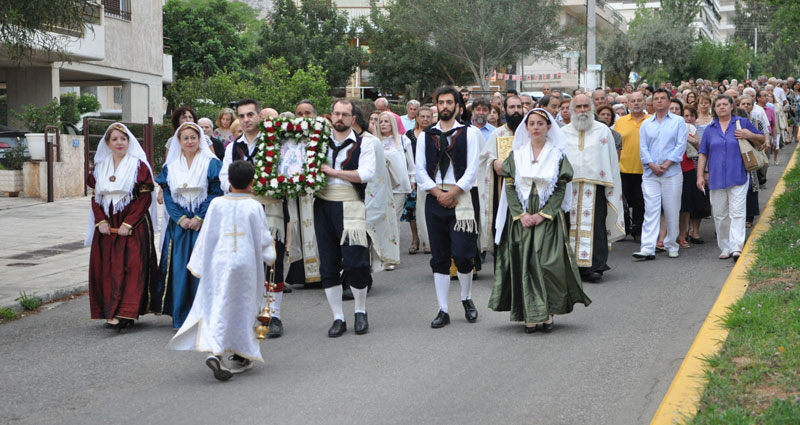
(595, 219)
(489, 168)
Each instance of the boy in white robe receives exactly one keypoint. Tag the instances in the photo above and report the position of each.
(228, 258)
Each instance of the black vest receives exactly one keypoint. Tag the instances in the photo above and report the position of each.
(457, 150)
(239, 151)
(351, 163)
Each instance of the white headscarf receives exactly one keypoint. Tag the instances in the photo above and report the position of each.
(118, 192)
(543, 173)
(188, 185)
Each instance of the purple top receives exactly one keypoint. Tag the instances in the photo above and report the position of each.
(725, 165)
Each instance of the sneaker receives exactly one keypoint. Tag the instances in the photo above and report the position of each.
(673, 254)
(239, 364)
(221, 372)
(725, 255)
(777, 162)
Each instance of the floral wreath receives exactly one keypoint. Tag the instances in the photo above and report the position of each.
(276, 131)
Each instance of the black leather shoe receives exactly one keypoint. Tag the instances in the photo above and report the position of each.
(546, 327)
(337, 328)
(275, 328)
(347, 294)
(530, 329)
(362, 325)
(470, 312)
(287, 289)
(442, 319)
(639, 255)
(593, 277)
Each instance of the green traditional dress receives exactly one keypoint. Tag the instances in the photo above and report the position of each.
(535, 273)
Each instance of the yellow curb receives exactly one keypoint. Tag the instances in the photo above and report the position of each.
(683, 395)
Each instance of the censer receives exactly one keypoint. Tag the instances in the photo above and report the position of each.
(265, 316)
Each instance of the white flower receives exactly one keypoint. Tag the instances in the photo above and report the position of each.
(318, 125)
(274, 183)
(304, 125)
(269, 159)
(285, 126)
(310, 179)
(267, 123)
(260, 164)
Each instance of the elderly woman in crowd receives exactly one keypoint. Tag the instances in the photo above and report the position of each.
(410, 143)
(727, 178)
(752, 208)
(189, 180)
(536, 275)
(122, 262)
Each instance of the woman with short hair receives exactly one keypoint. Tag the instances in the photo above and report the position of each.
(728, 180)
(223, 131)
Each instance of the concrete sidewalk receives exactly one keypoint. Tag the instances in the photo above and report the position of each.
(42, 250)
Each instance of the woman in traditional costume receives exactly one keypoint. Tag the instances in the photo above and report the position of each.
(535, 274)
(122, 262)
(189, 181)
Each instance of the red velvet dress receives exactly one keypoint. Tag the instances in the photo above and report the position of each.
(123, 268)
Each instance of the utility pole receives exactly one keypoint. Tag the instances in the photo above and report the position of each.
(755, 44)
(591, 44)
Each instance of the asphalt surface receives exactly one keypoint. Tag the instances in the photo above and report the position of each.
(609, 363)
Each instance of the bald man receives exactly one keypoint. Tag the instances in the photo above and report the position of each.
(268, 112)
(382, 105)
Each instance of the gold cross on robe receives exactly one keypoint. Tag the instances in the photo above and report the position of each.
(234, 234)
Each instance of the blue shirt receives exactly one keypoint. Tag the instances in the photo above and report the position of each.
(486, 131)
(725, 165)
(661, 141)
(408, 123)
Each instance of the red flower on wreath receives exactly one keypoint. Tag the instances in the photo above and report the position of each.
(302, 177)
(271, 138)
(290, 127)
(271, 129)
(312, 148)
(317, 132)
(262, 180)
(310, 184)
(281, 179)
(270, 153)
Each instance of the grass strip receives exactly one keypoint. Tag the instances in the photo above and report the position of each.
(755, 377)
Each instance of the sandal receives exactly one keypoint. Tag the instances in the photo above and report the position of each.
(413, 249)
(683, 243)
(660, 246)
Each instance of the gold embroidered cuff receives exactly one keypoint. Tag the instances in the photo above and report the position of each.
(144, 189)
(518, 217)
(98, 224)
(127, 225)
(199, 218)
(509, 181)
(547, 216)
(180, 219)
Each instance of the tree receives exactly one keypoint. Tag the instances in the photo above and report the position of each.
(401, 63)
(315, 34)
(272, 84)
(206, 37)
(717, 61)
(658, 35)
(483, 34)
(616, 54)
(25, 25)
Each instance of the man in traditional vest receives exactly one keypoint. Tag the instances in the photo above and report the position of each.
(595, 217)
(340, 218)
(447, 167)
(246, 148)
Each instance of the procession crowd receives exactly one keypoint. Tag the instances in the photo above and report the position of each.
(544, 185)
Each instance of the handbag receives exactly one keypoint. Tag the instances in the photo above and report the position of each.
(750, 156)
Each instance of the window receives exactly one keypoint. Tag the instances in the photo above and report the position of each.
(120, 9)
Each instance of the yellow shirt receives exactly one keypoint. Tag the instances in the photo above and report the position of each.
(629, 160)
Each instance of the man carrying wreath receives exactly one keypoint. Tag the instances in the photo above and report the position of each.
(340, 218)
(246, 148)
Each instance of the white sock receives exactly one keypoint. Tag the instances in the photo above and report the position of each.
(334, 295)
(276, 305)
(465, 279)
(442, 284)
(360, 296)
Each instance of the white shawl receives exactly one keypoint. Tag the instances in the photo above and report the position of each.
(188, 185)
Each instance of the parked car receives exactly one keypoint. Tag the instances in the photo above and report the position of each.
(9, 139)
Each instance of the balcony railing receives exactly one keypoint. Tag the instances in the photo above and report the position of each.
(120, 9)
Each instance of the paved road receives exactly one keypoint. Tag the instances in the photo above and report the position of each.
(609, 363)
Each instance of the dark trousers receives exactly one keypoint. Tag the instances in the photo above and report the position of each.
(632, 190)
(334, 257)
(446, 243)
(280, 248)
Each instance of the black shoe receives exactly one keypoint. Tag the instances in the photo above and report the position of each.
(643, 256)
(287, 289)
(122, 324)
(530, 329)
(470, 312)
(362, 325)
(442, 319)
(593, 277)
(695, 241)
(347, 294)
(337, 329)
(546, 327)
(275, 328)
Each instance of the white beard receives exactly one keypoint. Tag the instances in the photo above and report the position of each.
(582, 121)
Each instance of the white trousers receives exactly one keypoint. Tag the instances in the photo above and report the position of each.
(399, 203)
(661, 192)
(728, 206)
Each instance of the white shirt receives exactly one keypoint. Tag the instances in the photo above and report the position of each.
(424, 181)
(228, 158)
(780, 95)
(366, 161)
(759, 114)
